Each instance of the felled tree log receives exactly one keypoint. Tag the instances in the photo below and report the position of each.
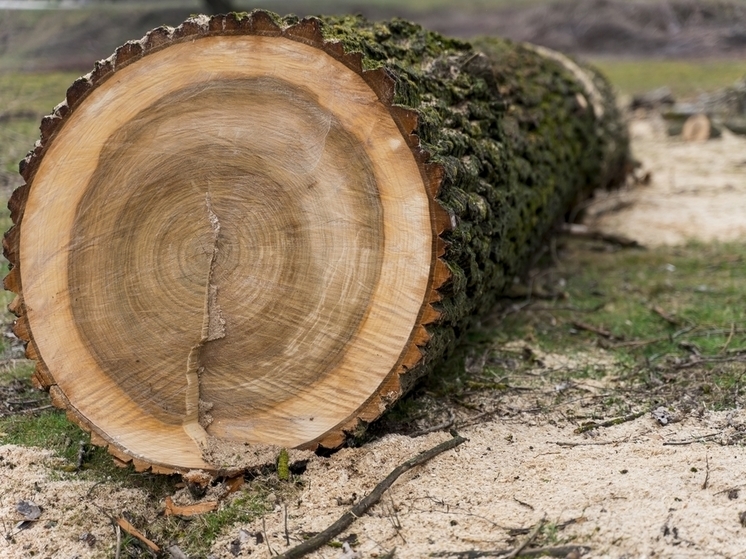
(252, 231)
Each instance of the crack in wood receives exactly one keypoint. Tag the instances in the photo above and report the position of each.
(197, 417)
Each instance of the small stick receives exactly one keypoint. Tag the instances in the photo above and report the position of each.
(735, 487)
(28, 411)
(665, 316)
(266, 539)
(610, 422)
(118, 530)
(584, 232)
(346, 520)
(594, 443)
(522, 503)
(707, 472)
(705, 359)
(718, 332)
(559, 551)
(287, 534)
(703, 438)
(476, 419)
(531, 537)
(590, 328)
(572, 308)
(442, 427)
(730, 337)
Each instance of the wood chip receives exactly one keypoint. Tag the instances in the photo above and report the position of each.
(125, 525)
(173, 509)
(697, 128)
(234, 484)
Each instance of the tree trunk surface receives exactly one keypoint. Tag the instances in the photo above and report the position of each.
(251, 232)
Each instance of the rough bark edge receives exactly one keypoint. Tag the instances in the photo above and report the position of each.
(258, 22)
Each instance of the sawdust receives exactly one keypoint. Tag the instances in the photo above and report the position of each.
(76, 515)
(634, 496)
(236, 457)
(697, 191)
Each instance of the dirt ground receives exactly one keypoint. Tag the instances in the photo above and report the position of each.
(637, 489)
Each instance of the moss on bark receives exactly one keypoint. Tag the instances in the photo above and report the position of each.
(520, 141)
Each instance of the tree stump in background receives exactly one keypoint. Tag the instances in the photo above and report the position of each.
(252, 231)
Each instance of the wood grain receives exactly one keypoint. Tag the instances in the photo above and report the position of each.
(221, 252)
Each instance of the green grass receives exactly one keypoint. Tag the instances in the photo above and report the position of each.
(702, 287)
(686, 78)
(51, 430)
(645, 361)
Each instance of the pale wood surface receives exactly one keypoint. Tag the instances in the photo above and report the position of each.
(233, 241)
(697, 128)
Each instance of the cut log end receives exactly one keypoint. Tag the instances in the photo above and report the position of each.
(234, 244)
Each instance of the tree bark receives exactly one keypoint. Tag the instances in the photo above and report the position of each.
(251, 230)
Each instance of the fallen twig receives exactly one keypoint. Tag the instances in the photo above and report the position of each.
(558, 551)
(523, 503)
(707, 472)
(118, 530)
(346, 520)
(665, 316)
(441, 427)
(616, 421)
(266, 538)
(730, 337)
(28, 411)
(561, 526)
(729, 489)
(287, 533)
(590, 328)
(477, 418)
(531, 537)
(719, 332)
(588, 443)
(683, 331)
(702, 359)
(701, 439)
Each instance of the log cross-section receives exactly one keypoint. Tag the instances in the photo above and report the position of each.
(256, 231)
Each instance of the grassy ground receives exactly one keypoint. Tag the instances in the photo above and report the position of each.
(685, 78)
(646, 328)
(600, 332)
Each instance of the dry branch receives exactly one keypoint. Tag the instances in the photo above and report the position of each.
(346, 520)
